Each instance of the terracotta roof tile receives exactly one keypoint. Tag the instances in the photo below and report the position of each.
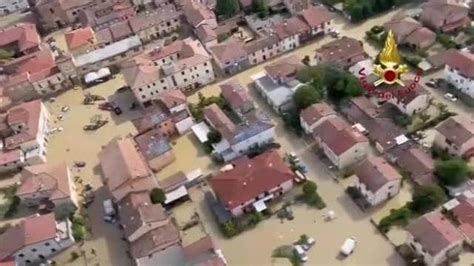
(290, 27)
(173, 98)
(24, 35)
(464, 212)
(463, 62)
(235, 94)
(286, 67)
(230, 51)
(25, 113)
(434, 232)
(315, 112)
(316, 15)
(250, 178)
(458, 129)
(79, 37)
(155, 240)
(375, 172)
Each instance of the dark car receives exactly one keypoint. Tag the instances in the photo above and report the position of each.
(117, 110)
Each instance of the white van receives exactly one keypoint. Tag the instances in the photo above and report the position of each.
(348, 246)
(301, 253)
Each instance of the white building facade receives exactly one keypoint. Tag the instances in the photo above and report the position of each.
(12, 6)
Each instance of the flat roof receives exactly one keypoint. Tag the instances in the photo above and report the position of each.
(200, 131)
(108, 51)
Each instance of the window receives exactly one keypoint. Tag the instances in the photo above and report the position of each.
(33, 249)
(164, 60)
(255, 61)
(168, 23)
(47, 244)
(41, 257)
(28, 261)
(207, 70)
(205, 64)
(53, 250)
(165, 88)
(143, 96)
(185, 80)
(182, 73)
(51, 11)
(162, 81)
(21, 255)
(140, 89)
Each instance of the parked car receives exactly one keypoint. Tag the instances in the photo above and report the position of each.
(300, 252)
(431, 84)
(65, 108)
(55, 130)
(450, 97)
(60, 117)
(117, 110)
(109, 211)
(348, 246)
(79, 163)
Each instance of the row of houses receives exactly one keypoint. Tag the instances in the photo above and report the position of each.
(152, 236)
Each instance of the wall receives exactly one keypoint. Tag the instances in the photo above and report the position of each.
(145, 228)
(151, 91)
(440, 141)
(159, 30)
(52, 84)
(201, 73)
(185, 125)
(428, 258)
(308, 129)
(264, 54)
(354, 154)
(290, 43)
(266, 136)
(382, 194)
(464, 84)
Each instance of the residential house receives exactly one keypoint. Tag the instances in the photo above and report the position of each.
(81, 40)
(138, 215)
(47, 184)
(198, 14)
(155, 241)
(207, 35)
(463, 213)
(434, 238)
(124, 169)
(184, 64)
(415, 101)
(411, 33)
(230, 57)
(460, 73)
(27, 126)
(237, 97)
(456, 135)
(107, 55)
(342, 144)
(263, 49)
(169, 116)
(156, 149)
(22, 39)
(32, 76)
(34, 240)
(318, 19)
(291, 33)
(343, 52)
(12, 6)
(296, 6)
(54, 14)
(252, 183)
(377, 180)
(157, 24)
(257, 129)
(203, 251)
(442, 16)
(103, 15)
(376, 122)
(278, 83)
(414, 161)
(314, 115)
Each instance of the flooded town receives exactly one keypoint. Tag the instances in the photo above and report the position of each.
(233, 132)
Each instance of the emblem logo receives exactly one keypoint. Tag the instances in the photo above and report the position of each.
(390, 70)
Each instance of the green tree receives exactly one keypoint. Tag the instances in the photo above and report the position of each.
(214, 136)
(64, 211)
(157, 195)
(309, 188)
(227, 8)
(306, 96)
(261, 8)
(451, 172)
(427, 198)
(6, 54)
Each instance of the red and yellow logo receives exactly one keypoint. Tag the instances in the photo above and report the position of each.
(390, 70)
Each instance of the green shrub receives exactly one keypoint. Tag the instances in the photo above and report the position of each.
(230, 228)
(78, 228)
(255, 218)
(397, 217)
(157, 196)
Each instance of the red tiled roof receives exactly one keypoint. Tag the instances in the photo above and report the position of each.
(463, 62)
(24, 34)
(291, 27)
(375, 172)
(136, 211)
(235, 94)
(53, 179)
(33, 229)
(286, 67)
(124, 169)
(79, 37)
(203, 245)
(316, 15)
(464, 212)
(434, 232)
(458, 129)
(196, 12)
(7, 157)
(155, 240)
(140, 71)
(25, 113)
(230, 51)
(250, 178)
(338, 135)
(173, 98)
(313, 113)
(218, 119)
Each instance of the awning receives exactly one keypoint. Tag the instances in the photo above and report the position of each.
(260, 205)
(176, 194)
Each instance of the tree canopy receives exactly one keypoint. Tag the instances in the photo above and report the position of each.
(261, 8)
(427, 198)
(451, 172)
(306, 96)
(227, 8)
(214, 136)
(157, 195)
(361, 9)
